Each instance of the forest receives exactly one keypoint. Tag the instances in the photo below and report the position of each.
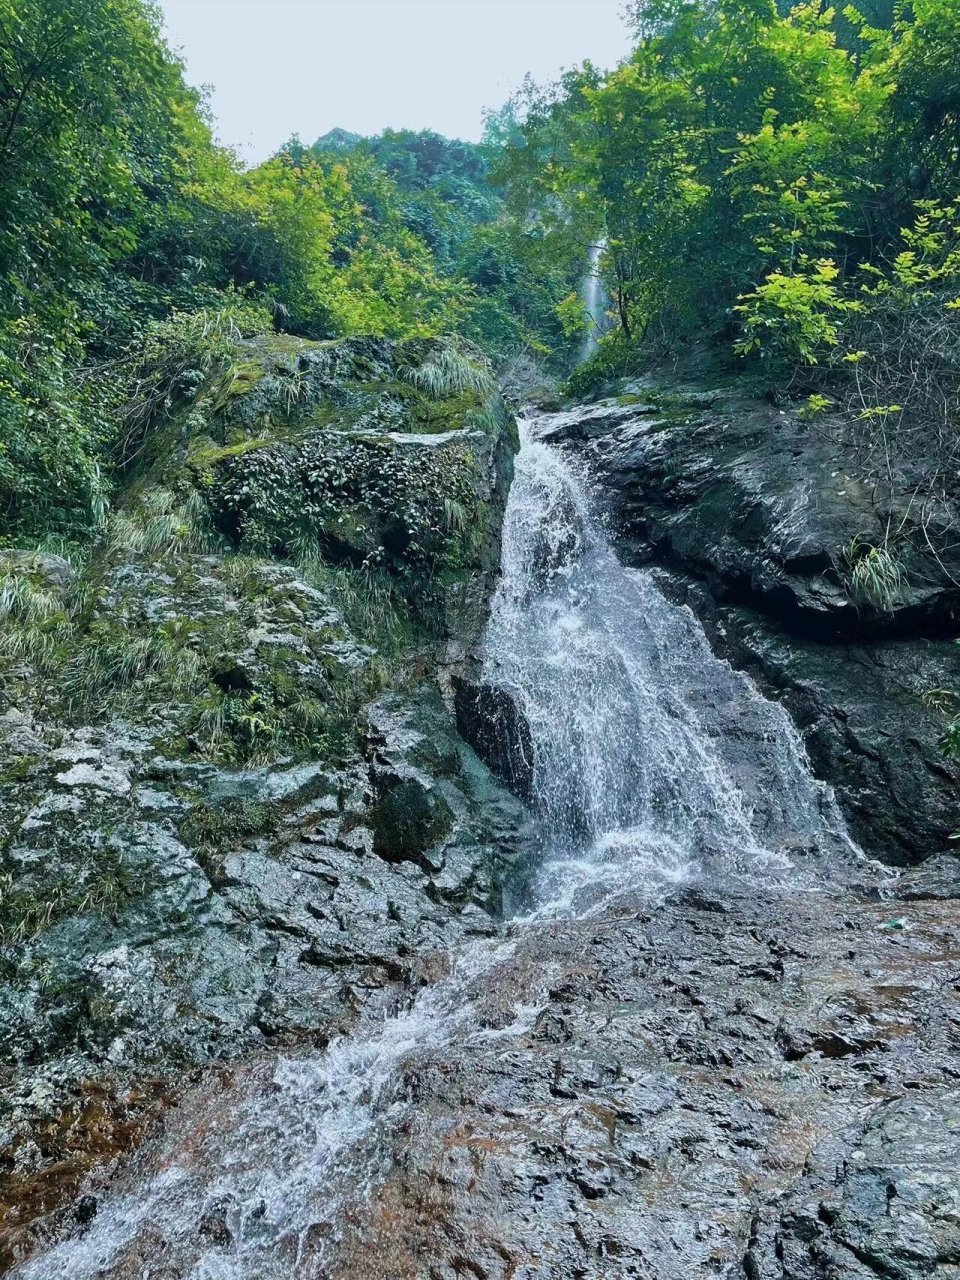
(779, 185)
(479, 713)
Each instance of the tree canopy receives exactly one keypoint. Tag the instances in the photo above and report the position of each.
(776, 180)
(745, 163)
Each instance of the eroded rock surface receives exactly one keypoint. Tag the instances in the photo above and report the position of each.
(728, 1085)
(758, 518)
(234, 805)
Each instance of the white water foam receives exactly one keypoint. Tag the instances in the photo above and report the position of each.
(654, 760)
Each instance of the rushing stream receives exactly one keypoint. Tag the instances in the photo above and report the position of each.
(654, 763)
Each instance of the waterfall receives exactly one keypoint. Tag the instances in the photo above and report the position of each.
(653, 759)
(654, 764)
(595, 300)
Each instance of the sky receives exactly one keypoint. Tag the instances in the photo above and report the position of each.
(279, 67)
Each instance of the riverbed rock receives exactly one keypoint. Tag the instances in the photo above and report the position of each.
(728, 1084)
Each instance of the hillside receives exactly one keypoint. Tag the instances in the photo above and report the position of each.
(479, 670)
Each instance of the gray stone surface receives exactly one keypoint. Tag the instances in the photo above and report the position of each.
(751, 511)
(226, 822)
(729, 1085)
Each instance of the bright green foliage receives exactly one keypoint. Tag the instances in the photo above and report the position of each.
(134, 252)
(748, 170)
(895, 366)
(332, 248)
(742, 163)
(433, 191)
(794, 315)
(573, 316)
(99, 137)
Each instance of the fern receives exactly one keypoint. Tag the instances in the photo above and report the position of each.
(455, 515)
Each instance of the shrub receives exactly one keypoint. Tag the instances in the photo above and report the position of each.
(615, 357)
(51, 437)
(174, 360)
(794, 319)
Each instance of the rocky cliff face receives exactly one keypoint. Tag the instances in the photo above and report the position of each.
(234, 802)
(765, 525)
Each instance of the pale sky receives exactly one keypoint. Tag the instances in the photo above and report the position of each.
(279, 67)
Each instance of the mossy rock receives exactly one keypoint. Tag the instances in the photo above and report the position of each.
(278, 381)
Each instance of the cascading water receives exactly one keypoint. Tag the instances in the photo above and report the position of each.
(653, 759)
(653, 762)
(594, 300)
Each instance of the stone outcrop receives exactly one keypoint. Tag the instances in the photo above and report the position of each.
(729, 1082)
(233, 802)
(253, 821)
(758, 520)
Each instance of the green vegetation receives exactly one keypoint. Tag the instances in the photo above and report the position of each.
(450, 371)
(875, 575)
(777, 182)
(228, 658)
(134, 253)
(213, 830)
(781, 181)
(776, 185)
(105, 883)
(445, 192)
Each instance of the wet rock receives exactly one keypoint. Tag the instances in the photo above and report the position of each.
(764, 1091)
(888, 1206)
(938, 877)
(85, 1210)
(287, 893)
(490, 720)
(753, 515)
(410, 818)
(213, 1225)
(203, 847)
(865, 717)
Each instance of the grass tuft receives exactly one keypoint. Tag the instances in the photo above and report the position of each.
(106, 885)
(875, 575)
(162, 525)
(451, 371)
